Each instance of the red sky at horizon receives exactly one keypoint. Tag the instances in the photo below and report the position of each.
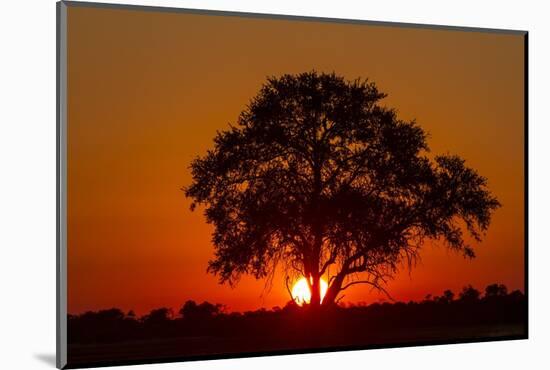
(147, 92)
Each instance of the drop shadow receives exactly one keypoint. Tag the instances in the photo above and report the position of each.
(47, 358)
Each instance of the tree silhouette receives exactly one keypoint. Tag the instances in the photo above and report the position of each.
(320, 178)
(448, 296)
(496, 290)
(193, 311)
(469, 294)
(157, 316)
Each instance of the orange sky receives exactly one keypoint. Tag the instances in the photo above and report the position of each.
(148, 90)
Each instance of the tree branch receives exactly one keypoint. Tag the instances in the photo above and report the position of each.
(288, 289)
(374, 285)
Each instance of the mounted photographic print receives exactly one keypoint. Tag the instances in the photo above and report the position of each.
(234, 184)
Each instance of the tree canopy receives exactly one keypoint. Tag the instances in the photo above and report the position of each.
(319, 177)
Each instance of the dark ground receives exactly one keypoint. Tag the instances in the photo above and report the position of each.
(185, 347)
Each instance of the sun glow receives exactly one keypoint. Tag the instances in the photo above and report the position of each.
(301, 293)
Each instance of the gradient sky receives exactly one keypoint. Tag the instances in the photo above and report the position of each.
(147, 92)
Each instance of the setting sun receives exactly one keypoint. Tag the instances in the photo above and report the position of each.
(301, 293)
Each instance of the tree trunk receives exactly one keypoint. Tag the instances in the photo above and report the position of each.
(333, 290)
(317, 229)
(315, 292)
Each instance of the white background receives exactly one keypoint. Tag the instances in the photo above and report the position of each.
(27, 183)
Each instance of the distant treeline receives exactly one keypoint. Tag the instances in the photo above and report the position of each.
(496, 306)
